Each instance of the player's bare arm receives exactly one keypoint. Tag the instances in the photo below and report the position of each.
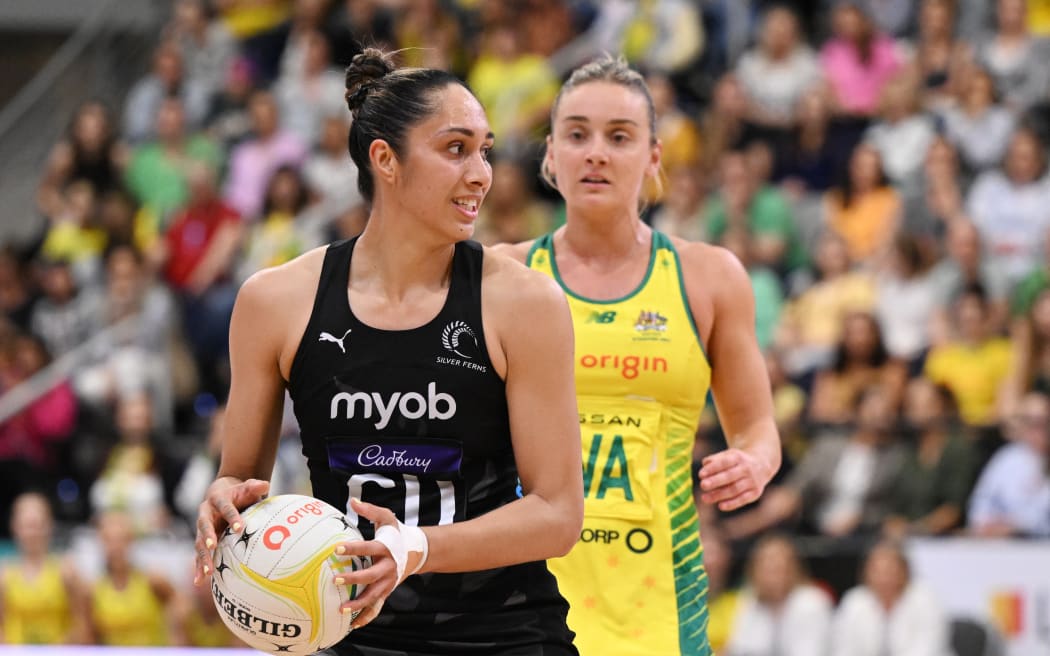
(725, 315)
(268, 319)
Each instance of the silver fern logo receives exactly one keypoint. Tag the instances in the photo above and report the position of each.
(455, 335)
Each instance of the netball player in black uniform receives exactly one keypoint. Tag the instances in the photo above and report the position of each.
(428, 377)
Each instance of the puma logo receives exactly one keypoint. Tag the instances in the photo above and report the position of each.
(329, 337)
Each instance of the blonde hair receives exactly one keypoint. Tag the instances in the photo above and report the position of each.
(614, 70)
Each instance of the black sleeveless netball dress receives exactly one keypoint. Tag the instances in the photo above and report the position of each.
(416, 421)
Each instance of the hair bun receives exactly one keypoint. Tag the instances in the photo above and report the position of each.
(363, 74)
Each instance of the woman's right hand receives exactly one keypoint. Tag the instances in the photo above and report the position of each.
(221, 507)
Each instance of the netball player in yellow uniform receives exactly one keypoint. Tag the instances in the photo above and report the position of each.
(38, 592)
(130, 608)
(658, 321)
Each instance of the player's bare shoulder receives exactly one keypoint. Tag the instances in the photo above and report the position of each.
(278, 298)
(704, 264)
(518, 252)
(508, 281)
(285, 283)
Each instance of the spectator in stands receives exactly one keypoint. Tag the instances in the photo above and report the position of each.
(974, 362)
(229, 122)
(908, 296)
(811, 325)
(1012, 496)
(861, 360)
(842, 487)
(1015, 58)
(90, 151)
(902, 133)
(41, 594)
(765, 285)
(129, 607)
(777, 73)
(1009, 207)
(130, 481)
(939, 468)
(197, 257)
(156, 173)
(978, 125)
(73, 235)
(723, 597)
(432, 38)
(674, 128)
(937, 200)
(789, 405)
(681, 212)
(744, 202)
(200, 468)
(864, 210)
(140, 358)
(937, 52)
(31, 441)
(284, 231)
(16, 293)
(857, 61)
(890, 612)
(724, 126)
(166, 80)
(664, 36)
(308, 18)
(329, 173)
(515, 87)
(511, 212)
(309, 93)
(205, 45)
(254, 160)
(1032, 285)
(1030, 370)
(199, 621)
(809, 157)
(780, 613)
(255, 23)
(119, 219)
(63, 316)
(962, 267)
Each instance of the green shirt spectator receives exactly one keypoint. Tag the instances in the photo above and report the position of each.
(745, 201)
(156, 174)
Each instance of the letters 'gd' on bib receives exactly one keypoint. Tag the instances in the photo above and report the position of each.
(635, 581)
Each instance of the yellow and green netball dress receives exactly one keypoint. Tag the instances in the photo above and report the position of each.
(635, 581)
(36, 611)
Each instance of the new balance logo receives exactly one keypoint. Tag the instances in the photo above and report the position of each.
(410, 405)
(602, 317)
(338, 341)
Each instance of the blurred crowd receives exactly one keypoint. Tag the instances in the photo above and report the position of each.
(879, 167)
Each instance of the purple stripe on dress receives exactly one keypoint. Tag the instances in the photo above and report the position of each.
(432, 458)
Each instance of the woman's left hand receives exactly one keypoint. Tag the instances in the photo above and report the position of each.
(381, 577)
(732, 478)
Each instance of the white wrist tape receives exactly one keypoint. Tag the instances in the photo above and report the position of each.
(401, 539)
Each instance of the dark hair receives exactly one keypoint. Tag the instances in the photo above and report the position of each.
(846, 192)
(973, 290)
(385, 102)
(302, 196)
(879, 355)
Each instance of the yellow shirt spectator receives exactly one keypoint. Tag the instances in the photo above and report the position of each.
(516, 88)
(245, 18)
(868, 223)
(815, 317)
(974, 374)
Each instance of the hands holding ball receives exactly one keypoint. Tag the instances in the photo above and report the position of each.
(290, 572)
